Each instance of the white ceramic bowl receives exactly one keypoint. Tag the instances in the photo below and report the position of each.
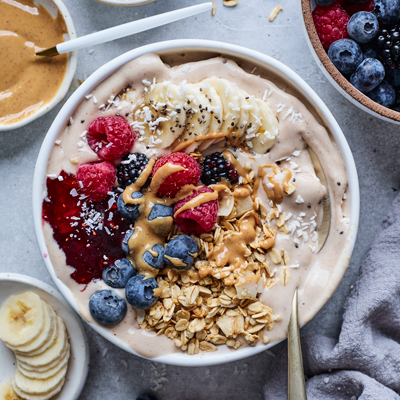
(261, 61)
(52, 6)
(125, 3)
(79, 361)
(338, 81)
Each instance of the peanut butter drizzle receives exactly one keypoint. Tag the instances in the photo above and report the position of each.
(135, 187)
(186, 191)
(234, 247)
(177, 262)
(231, 158)
(162, 173)
(27, 81)
(241, 192)
(197, 201)
(146, 233)
(275, 194)
(211, 135)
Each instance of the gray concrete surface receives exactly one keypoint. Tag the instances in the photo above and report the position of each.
(115, 374)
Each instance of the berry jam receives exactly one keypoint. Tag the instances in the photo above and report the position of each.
(90, 234)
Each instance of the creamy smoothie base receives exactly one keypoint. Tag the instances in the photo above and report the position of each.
(276, 207)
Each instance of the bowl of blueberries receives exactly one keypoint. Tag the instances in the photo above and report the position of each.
(356, 43)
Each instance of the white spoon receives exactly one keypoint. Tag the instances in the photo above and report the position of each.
(127, 29)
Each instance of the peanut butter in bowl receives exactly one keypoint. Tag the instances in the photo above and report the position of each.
(29, 83)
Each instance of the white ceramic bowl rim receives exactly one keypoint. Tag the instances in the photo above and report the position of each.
(79, 362)
(125, 2)
(175, 46)
(69, 75)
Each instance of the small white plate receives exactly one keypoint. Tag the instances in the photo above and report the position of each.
(79, 361)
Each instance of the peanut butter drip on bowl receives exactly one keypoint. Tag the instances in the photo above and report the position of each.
(28, 82)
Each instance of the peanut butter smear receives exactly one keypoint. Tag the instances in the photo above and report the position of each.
(27, 81)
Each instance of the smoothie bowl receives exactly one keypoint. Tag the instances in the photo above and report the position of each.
(177, 206)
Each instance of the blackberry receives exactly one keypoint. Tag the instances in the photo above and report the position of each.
(131, 166)
(215, 168)
(388, 47)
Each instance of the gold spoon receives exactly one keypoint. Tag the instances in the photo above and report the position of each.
(296, 382)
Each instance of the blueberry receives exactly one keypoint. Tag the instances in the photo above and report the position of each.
(384, 94)
(368, 75)
(107, 307)
(118, 274)
(130, 211)
(146, 397)
(325, 2)
(393, 77)
(369, 52)
(363, 27)
(181, 252)
(161, 211)
(346, 55)
(139, 292)
(387, 11)
(125, 240)
(155, 260)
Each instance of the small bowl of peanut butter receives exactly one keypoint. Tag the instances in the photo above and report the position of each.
(32, 85)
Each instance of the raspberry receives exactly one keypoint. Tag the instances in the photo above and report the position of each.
(355, 8)
(110, 137)
(199, 220)
(96, 180)
(217, 167)
(176, 181)
(330, 23)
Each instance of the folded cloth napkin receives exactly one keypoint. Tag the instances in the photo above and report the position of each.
(365, 362)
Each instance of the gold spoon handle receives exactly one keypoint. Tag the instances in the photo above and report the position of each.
(296, 383)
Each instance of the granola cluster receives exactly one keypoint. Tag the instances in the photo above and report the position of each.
(205, 306)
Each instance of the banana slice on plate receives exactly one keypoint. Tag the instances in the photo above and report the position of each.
(7, 392)
(21, 319)
(38, 386)
(28, 396)
(51, 340)
(37, 374)
(44, 368)
(51, 354)
(44, 335)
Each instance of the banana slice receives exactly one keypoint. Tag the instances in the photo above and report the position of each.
(268, 132)
(39, 386)
(21, 319)
(214, 108)
(44, 368)
(230, 102)
(36, 374)
(47, 396)
(241, 125)
(51, 340)
(44, 335)
(196, 125)
(161, 113)
(7, 392)
(51, 354)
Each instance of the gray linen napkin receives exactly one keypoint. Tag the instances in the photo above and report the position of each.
(365, 362)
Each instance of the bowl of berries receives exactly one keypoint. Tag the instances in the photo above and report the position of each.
(178, 202)
(357, 46)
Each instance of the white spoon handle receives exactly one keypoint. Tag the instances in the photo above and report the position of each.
(131, 28)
